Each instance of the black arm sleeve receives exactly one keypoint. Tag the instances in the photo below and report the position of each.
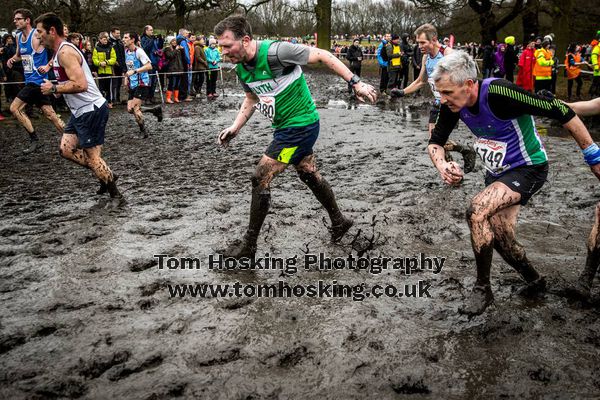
(508, 101)
(444, 125)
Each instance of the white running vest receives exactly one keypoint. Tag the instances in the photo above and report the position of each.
(79, 103)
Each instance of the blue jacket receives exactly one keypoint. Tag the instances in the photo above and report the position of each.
(186, 50)
(150, 46)
(212, 55)
(380, 60)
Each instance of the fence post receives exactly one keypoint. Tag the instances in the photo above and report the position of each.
(162, 100)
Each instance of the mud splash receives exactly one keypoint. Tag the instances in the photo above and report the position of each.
(87, 314)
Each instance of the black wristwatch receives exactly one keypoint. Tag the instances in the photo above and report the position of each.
(354, 80)
(53, 89)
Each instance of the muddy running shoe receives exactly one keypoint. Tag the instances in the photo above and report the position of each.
(240, 248)
(395, 93)
(480, 299)
(534, 288)
(144, 133)
(580, 291)
(338, 231)
(469, 158)
(104, 187)
(33, 146)
(116, 202)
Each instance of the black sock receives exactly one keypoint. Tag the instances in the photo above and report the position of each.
(323, 192)
(259, 207)
(33, 136)
(514, 255)
(483, 260)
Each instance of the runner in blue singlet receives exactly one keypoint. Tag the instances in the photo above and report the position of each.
(36, 66)
(433, 51)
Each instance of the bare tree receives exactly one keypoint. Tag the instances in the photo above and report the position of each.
(493, 14)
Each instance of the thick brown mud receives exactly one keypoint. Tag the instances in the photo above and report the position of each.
(86, 311)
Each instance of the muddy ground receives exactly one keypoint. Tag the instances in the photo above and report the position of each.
(86, 312)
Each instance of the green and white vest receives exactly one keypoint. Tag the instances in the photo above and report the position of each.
(286, 100)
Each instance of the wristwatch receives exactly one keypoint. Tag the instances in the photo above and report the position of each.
(53, 89)
(354, 80)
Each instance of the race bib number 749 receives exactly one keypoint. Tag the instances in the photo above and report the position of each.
(492, 153)
(266, 106)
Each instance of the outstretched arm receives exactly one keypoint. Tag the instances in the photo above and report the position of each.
(591, 152)
(361, 89)
(450, 172)
(586, 108)
(246, 111)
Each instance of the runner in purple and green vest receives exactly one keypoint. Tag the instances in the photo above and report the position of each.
(499, 114)
(271, 75)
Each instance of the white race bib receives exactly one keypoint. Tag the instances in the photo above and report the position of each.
(436, 94)
(492, 153)
(266, 106)
(27, 61)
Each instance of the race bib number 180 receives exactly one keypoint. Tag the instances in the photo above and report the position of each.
(266, 106)
(492, 153)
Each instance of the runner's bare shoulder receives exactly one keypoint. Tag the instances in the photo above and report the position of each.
(68, 53)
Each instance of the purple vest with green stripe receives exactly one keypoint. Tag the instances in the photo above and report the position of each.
(522, 142)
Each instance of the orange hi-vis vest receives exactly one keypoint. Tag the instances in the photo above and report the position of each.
(573, 71)
(542, 69)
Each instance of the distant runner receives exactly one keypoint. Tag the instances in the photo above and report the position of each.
(137, 78)
(36, 66)
(433, 51)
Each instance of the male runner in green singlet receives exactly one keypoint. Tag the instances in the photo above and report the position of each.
(272, 78)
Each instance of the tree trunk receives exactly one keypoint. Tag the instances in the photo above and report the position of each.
(531, 22)
(488, 21)
(75, 20)
(323, 13)
(561, 22)
(180, 11)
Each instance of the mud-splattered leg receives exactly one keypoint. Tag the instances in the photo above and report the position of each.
(584, 283)
(504, 225)
(17, 108)
(58, 123)
(69, 149)
(484, 205)
(266, 170)
(309, 174)
(135, 107)
(467, 152)
(101, 169)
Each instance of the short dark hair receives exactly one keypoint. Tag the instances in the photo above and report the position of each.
(73, 36)
(25, 13)
(50, 20)
(114, 28)
(133, 35)
(237, 24)
(6, 37)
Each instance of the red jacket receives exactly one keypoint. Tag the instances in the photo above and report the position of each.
(525, 75)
